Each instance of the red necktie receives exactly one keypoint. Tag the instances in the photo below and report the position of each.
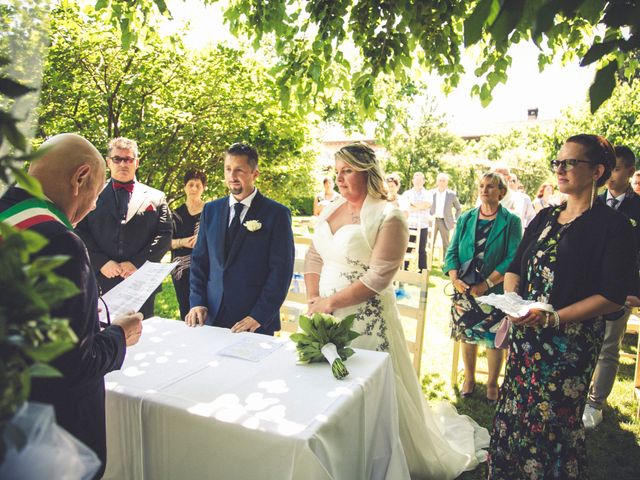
(124, 186)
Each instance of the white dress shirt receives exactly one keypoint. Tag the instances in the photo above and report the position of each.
(246, 203)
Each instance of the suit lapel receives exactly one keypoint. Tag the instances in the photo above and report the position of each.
(252, 214)
(137, 198)
(221, 229)
(107, 201)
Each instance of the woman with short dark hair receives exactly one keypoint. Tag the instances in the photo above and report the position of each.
(575, 257)
(186, 220)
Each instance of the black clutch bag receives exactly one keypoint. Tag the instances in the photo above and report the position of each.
(469, 272)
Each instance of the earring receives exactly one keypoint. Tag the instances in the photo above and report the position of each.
(593, 193)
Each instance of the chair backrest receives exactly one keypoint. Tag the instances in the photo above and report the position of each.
(412, 254)
(412, 310)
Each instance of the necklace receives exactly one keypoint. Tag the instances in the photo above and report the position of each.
(355, 217)
(491, 214)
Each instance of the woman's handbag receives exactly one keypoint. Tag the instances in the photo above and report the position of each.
(502, 334)
(469, 272)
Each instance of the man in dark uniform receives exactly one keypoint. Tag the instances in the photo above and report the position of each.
(130, 225)
(619, 196)
(71, 173)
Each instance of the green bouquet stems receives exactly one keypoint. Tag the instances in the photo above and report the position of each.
(325, 338)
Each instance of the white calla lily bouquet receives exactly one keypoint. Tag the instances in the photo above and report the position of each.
(325, 338)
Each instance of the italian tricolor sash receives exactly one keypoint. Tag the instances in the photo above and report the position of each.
(32, 212)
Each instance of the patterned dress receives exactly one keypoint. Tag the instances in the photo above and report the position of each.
(538, 431)
(471, 323)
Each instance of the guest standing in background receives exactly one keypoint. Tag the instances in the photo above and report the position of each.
(186, 220)
(543, 197)
(635, 182)
(620, 196)
(486, 236)
(522, 203)
(418, 201)
(393, 183)
(325, 197)
(130, 225)
(444, 200)
(575, 257)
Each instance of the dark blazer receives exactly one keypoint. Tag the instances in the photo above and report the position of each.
(450, 201)
(593, 256)
(146, 235)
(254, 279)
(500, 248)
(630, 206)
(77, 397)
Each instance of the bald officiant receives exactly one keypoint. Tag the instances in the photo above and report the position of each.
(130, 225)
(71, 172)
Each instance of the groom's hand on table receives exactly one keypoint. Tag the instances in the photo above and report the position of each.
(131, 324)
(247, 324)
(196, 316)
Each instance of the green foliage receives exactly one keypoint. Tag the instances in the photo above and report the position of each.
(421, 148)
(29, 336)
(301, 206)
(183, 108)
(315, 39)
(617, 120)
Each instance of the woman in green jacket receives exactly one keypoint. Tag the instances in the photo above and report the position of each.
(486, 236)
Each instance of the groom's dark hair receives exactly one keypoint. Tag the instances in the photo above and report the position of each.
(238, 149)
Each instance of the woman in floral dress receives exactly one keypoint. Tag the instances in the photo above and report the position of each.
(575, 257)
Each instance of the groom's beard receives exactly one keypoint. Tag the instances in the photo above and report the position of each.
(235, 190)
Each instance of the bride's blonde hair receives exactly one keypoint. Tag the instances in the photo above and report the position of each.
(362, 158)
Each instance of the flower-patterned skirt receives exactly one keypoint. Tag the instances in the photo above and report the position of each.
(538, 431)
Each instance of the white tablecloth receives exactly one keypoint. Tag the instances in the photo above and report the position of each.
(178, 410)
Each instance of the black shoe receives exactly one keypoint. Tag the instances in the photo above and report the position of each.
(469, 393)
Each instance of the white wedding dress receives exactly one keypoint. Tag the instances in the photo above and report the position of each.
(438, 442)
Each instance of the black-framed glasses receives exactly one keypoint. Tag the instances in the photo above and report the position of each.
(567, 164)
(118, 159)
(106, 311)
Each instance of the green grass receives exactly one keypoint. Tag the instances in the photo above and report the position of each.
(613, 448)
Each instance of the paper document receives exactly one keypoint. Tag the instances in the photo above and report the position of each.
(513, 304)
(253, 349)
(130, 294)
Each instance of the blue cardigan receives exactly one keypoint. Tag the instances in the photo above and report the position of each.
(503, 240)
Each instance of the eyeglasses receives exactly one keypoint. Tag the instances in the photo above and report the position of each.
(117, 159)
(566, 164)
(391, 179)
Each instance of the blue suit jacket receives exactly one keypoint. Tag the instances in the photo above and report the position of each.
(254, 279)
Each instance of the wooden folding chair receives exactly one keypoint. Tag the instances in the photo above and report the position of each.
(411, 256)
(414, 312)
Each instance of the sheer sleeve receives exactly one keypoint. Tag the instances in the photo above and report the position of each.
(312, 261)
(388, 253)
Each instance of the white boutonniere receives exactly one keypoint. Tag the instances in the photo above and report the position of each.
(252, 225)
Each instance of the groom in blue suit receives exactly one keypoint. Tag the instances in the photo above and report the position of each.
(242, 263)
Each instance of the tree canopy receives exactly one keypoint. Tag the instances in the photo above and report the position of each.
(313, 39)
(183, 108)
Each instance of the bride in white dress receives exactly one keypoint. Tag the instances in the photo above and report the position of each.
(358, 246)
